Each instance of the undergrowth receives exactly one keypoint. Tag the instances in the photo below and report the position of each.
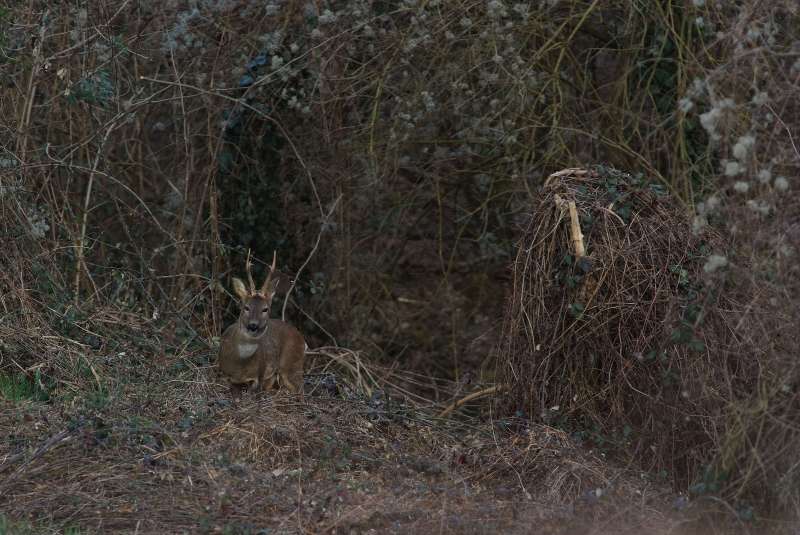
(390, 150)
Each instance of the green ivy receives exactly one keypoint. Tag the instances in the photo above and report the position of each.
(96, 88)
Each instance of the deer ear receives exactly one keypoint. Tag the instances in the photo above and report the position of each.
(239, 288)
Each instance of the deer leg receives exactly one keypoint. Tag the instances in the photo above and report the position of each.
(268, 381)
(293, 381)
(236, 390)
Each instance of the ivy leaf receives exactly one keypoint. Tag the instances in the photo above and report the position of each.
(576, 309)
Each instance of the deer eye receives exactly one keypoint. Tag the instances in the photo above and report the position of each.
(246, 308)
(265, 310)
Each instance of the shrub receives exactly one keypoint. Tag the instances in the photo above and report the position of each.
(642, 343)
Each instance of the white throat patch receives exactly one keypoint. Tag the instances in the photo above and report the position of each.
(246, 350)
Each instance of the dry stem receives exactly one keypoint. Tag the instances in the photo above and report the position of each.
(471, 397)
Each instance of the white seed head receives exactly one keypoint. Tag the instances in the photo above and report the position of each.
(764, 176)
(715, 262)
(743, 146)
(732, 168)
(741, 186)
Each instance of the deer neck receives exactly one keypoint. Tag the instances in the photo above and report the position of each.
(246, 346)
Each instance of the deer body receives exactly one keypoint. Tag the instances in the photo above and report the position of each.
(258, 350)
(278, 354)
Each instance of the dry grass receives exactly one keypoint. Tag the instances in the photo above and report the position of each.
(138, 438)
(172, 453)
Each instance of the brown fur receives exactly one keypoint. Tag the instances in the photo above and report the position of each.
(279, 357)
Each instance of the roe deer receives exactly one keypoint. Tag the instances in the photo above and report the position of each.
(257, 349)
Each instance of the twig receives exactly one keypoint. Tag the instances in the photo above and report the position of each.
(241, 102)
(79, 261)
(27, 107)
(51, 442)
(188, 172)
(316, 323)
(475, 395)
(788, 130)
(572, 172)
(69, 51)
(118, 182)
(360, 373)
(575, 231)
(310, 255)
(575, 224)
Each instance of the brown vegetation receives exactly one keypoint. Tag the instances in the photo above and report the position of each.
(179, 457)
(642, 342)
(389, 150)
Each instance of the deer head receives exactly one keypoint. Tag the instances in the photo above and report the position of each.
(254, 315)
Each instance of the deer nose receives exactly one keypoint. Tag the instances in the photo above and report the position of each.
(252, 327)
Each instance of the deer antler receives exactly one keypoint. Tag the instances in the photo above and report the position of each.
(265, 286)
(248, 265)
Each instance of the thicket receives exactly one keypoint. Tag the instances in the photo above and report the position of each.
(632, 334)
(147, 145)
